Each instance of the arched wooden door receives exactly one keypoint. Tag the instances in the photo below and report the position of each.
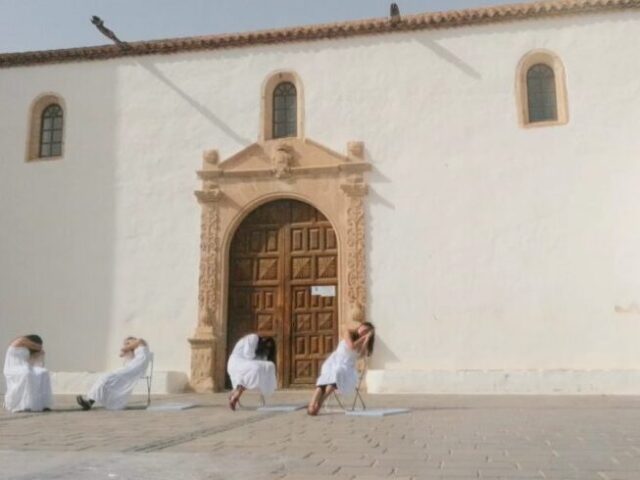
(279, 253)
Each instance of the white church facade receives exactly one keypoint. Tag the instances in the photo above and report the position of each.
(467, 181)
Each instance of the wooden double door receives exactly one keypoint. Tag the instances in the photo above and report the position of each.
(283, 283)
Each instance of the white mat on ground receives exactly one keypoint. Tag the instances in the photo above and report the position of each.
(377, 412)
(170, 407)
(281, 408)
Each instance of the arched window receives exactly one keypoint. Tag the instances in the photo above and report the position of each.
(541, 90)
(51, 127)
(282, 106)
(541, 93)
(285, 106)
(46, 128)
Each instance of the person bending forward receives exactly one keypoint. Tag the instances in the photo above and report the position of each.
(113, 390)
(28, 382)
(339, 370)
(251, 366)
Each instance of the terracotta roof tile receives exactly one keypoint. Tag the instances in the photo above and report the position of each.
(449, 19)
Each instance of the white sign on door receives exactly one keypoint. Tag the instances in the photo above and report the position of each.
(323, 290)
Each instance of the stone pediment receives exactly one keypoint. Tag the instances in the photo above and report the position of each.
(284, 158)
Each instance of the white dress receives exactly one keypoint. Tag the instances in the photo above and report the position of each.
(113, 390)
(244, 369)
(340, 368)
(28, 386)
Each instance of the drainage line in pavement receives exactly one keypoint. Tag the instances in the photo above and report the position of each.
(196, 434)
(20, 417)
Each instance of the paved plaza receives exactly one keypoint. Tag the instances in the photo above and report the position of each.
(443, 437)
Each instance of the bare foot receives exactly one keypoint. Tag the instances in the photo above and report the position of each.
(313, 409)
(234, 398)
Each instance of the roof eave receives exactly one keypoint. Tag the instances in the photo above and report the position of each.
(427, 21)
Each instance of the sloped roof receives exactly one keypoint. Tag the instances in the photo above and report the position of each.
(424, 21)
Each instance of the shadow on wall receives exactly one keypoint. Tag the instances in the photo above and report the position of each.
(151, 67)
(57, 262)
(382, 354)
(448, 56)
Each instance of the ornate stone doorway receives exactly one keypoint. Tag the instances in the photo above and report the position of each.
(283, 279)
(291, 174)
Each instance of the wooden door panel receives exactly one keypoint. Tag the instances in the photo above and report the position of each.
(278, 253)
(252, 309)
(330, 241)
(326, 267)
(313, 333)
(301, 268)
(298, 242)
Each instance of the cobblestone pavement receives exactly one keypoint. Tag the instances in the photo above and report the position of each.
(444, 437)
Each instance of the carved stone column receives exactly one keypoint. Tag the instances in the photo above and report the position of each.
(356, 190)
(204, 343)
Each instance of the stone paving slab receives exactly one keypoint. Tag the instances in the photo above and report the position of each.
(442, 437)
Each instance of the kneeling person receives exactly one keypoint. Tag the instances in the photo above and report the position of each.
(251, 366)
(113, 390)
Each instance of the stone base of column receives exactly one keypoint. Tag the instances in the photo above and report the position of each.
(203, 354)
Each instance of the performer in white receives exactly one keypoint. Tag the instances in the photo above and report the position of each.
(339, 371)
(28, 382)
(113, 390)
(251, 366)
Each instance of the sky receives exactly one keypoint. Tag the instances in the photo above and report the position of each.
(49, 24)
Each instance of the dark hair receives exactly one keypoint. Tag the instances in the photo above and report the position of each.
(266, 349)
(372, 339)
(35, 339)
(354, 336)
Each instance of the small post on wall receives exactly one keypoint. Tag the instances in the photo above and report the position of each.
(204, 342)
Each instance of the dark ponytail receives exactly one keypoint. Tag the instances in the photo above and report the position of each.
(266, 349)
(372, 339)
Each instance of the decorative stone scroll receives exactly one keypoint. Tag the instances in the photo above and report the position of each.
(210, 156)
(356, 190)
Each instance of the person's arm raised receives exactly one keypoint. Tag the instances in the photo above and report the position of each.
(348, 339)
(26, 343)
(129, 347)
(360, 345)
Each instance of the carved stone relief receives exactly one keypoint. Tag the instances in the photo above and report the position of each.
(356, 190)
(203, 343)
(282, 160)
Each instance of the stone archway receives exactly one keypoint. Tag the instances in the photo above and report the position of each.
(294, 168)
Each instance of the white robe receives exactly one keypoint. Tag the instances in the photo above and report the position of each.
(244, 369)
(113, 390)
(340, 368)
(28, 386)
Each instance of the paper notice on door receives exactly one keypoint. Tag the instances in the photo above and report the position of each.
(323, 290)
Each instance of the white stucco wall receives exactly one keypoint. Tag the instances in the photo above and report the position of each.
(491, 248)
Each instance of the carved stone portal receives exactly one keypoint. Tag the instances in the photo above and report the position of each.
(296, 168)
